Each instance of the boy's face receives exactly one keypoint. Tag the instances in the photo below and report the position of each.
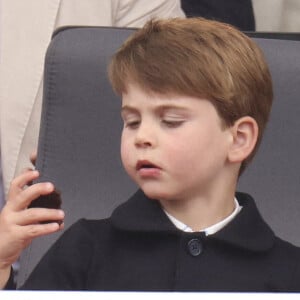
(173, 147)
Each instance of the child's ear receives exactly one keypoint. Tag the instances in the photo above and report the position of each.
(244, 138)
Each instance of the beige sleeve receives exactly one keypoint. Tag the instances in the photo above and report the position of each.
(135, 13)
(277, 15)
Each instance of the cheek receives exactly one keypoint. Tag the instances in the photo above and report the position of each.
(178, 154)
(124, 151)
(187, 152)
(127, 151)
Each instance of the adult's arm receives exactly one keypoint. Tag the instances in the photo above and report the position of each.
(135, 13)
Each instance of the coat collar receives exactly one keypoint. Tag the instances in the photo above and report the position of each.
(142, 214)
(248, 230)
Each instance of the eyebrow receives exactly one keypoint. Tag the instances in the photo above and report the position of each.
(163, 107)
(127, 108)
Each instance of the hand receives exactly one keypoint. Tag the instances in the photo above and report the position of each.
(19, 225)
(32, 157)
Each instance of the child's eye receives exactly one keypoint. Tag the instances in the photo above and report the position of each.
(172, 123)
(132, 124)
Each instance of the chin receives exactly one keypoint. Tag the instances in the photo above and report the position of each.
(157, 194)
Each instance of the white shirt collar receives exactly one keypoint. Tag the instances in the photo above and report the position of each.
(211, 229)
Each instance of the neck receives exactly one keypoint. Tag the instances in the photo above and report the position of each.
(202, 211)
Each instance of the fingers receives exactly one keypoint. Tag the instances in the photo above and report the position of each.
(39, 215)
(31, 193)
(19, 224)
(20, 181)
(15, 238)
(32, 231)
(33, 156)
(20, 197)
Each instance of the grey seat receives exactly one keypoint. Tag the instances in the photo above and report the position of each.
(80, 132)
(274, 176)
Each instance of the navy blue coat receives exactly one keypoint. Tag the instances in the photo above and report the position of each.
(138, 248)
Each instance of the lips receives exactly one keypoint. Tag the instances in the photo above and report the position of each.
(148, 170)
(145, 164)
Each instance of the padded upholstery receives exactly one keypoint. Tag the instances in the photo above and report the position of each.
(274, 176)
(80, 130)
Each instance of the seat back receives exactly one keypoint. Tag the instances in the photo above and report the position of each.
(273, 178)
(80, 130)
(80, 134)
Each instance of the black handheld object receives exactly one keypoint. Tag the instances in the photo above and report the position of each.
(52, 200)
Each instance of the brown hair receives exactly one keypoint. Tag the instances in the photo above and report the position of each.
(200, 58)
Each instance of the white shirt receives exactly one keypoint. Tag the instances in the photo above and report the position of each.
(211, 229)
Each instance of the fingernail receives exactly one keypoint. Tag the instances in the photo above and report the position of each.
(35, 172)
(61, 213)
(49, 186)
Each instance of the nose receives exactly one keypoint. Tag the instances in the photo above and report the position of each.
(144, 136)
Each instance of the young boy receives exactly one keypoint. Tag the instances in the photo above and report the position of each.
(196, 96)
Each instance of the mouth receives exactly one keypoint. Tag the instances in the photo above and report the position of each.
(145, 164)
(148, 170)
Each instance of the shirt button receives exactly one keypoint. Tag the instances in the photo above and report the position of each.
(195, 247)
